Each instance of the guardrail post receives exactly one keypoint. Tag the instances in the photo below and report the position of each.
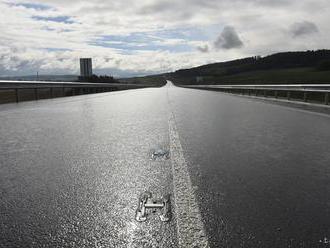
(326, 98)
(265, 93)
(276, 94)
(288, 95)
(51, 92)
(16, 94)
(256, 92)
(63, 91)
(36, 93)
(305, 96)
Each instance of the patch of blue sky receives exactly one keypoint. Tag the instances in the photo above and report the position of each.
(65, 30)
(128, 47)
(198, 33)
(140, 42)
(191, 34)
(138, 38)
(153, 36)
(51, 49)
(35, 6)
(60, 19)
(159, 40)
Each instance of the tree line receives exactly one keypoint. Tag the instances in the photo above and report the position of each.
(98, 79)
(319, 59)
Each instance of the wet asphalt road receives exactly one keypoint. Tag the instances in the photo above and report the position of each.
(262, 170)
(71, 170)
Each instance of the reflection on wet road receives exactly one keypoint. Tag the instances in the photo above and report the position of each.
(71, 171)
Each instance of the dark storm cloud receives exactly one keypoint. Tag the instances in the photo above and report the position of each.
(303, 28)
(228, 39)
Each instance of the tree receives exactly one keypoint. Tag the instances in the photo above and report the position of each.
(324, 66)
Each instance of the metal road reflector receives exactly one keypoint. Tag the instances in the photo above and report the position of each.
(160, 154)
(147, 202)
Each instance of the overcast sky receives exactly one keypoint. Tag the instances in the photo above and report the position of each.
(138, 37)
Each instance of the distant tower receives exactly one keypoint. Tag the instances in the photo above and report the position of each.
(86, 69)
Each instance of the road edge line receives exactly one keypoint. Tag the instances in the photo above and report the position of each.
(190, 227)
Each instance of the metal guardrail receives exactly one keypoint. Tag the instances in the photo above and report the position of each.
(65, 88)
(14, 84)
(319, 93)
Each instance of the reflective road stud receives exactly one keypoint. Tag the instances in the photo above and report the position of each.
(146, 201)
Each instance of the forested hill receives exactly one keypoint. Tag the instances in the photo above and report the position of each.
(288, 67)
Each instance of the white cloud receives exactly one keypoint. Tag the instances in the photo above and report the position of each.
(151, 35)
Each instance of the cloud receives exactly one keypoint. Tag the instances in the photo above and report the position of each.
(150, 36)
(228, 39)
(203, 48)
(303, 28)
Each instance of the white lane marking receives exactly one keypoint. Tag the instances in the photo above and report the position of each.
(191, 232)
(131, 230)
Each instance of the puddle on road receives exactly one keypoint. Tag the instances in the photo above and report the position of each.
(160, 154)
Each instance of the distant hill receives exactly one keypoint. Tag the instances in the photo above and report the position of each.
(288, 67)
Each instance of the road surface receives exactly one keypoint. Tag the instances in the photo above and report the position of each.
(241, 173)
